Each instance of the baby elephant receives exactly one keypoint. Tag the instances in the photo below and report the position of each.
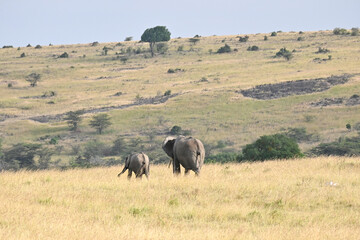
(137, 163)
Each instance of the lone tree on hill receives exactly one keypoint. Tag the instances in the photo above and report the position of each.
(154, 35)
(100, 122)
(33, 78)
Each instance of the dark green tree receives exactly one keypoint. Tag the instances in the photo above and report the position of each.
(154, 35)
(73, 118)
(100, 122)
(276, 146)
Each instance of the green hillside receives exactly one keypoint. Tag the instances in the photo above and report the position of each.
(205, 97)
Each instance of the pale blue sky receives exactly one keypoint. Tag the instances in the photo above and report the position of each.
(84, 21)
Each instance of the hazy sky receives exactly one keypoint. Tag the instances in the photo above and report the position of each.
(84, 21)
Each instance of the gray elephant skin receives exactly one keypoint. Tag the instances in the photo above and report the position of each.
(137, 163)
(188, 152)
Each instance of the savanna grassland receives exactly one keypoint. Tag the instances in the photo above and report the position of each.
(312, 198)
(308, 198)
(205, 90)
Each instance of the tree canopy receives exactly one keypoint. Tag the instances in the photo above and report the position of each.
(154, 35)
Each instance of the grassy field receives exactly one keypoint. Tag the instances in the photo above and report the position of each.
(312, 198)
(209, 103)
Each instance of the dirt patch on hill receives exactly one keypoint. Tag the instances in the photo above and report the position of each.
(142, 101)
(298, 87)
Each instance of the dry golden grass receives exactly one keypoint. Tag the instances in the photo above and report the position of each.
(312, 198)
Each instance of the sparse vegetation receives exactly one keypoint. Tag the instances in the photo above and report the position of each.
(322, 50)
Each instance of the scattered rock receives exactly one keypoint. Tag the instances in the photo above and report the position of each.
(327, 102)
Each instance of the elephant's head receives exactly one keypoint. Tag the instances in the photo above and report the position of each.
(168, 146)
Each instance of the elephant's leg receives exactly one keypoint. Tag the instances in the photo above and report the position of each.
(187, 172)
(147, 172)
(129, 174)
(176, 166)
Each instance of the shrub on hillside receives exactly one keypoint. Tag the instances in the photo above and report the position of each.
(342, 147)
(20, 156)
(224, 49)
(244, 39)
(355, 32)
(162, 47)
(38, 47)
(277, 146)
(253, 48)
(64, 55)
(273, 34)
(322, 50)
(7, 46)
(284, 53)
(340, 31)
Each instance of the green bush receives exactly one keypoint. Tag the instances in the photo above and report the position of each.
(277, 146)
(176, 130)
(300, 38)
(273, 34)
(21, 155)
(340, 31)
(343, 147)
(244, 39)
(355, 32)
(284, 53)
(64, 55)
(38, 47)
(224, 49)
(253, 48)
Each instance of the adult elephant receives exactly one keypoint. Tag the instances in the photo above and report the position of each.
(137, 163)
(188, 152)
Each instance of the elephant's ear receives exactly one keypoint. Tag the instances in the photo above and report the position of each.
(168, 146)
